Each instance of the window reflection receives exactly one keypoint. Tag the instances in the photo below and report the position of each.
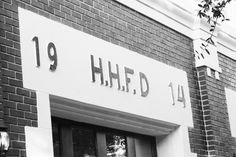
(83, 142)
(115, 145)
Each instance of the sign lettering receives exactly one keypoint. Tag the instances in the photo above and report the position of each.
(51, 56)
(115, 76)
(128, 75)
(143, 80)
(181, 97)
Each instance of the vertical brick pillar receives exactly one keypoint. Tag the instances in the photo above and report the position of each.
(216, 121)
(1, 100)
(20, 108)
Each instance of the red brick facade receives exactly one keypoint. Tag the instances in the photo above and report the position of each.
(120, 25)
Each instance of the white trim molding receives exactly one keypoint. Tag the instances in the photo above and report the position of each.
(227, 44)
(39, 140)
(88, 113)
(230, 100)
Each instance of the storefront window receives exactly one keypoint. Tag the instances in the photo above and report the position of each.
(56, 139)
(83, 142)
(73, 139)
(115, 145)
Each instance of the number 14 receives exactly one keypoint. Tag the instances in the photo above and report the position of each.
(181, 97)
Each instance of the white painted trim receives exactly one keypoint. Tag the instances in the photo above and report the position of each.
(39, 140)
(217, 75)
(230, 100)
(226, 45)
(208, 71)
(176, 144)
(44, 115)
(203, 58)
(88, 113)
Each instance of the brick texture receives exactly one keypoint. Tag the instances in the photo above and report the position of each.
(228, 78)
(16, 101)
(1, 102)
(104, 19)
(216, 124)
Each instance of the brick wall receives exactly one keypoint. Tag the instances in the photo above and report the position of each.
(216, 121)
(228, 78)
(1, 104)
(19, 104)
(219, 141)
(105, 19)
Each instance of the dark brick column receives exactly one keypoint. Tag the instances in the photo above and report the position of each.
(2, 124)
(18, 105)
(215, 115)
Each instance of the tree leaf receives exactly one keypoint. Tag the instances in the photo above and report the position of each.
(207, 51)
(202, 56)
(200, 5)
(213, 12)
(210, 41)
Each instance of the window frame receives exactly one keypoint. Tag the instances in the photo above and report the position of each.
(66, 141)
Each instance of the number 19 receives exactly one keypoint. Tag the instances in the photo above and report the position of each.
(52, 54)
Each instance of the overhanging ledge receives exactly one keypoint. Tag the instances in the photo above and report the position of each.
(83, 112)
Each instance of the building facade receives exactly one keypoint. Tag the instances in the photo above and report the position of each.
(115, 78)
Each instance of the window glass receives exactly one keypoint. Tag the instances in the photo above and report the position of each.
(83, 142)
(115, 145)
(73, 139)
(56, 139)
